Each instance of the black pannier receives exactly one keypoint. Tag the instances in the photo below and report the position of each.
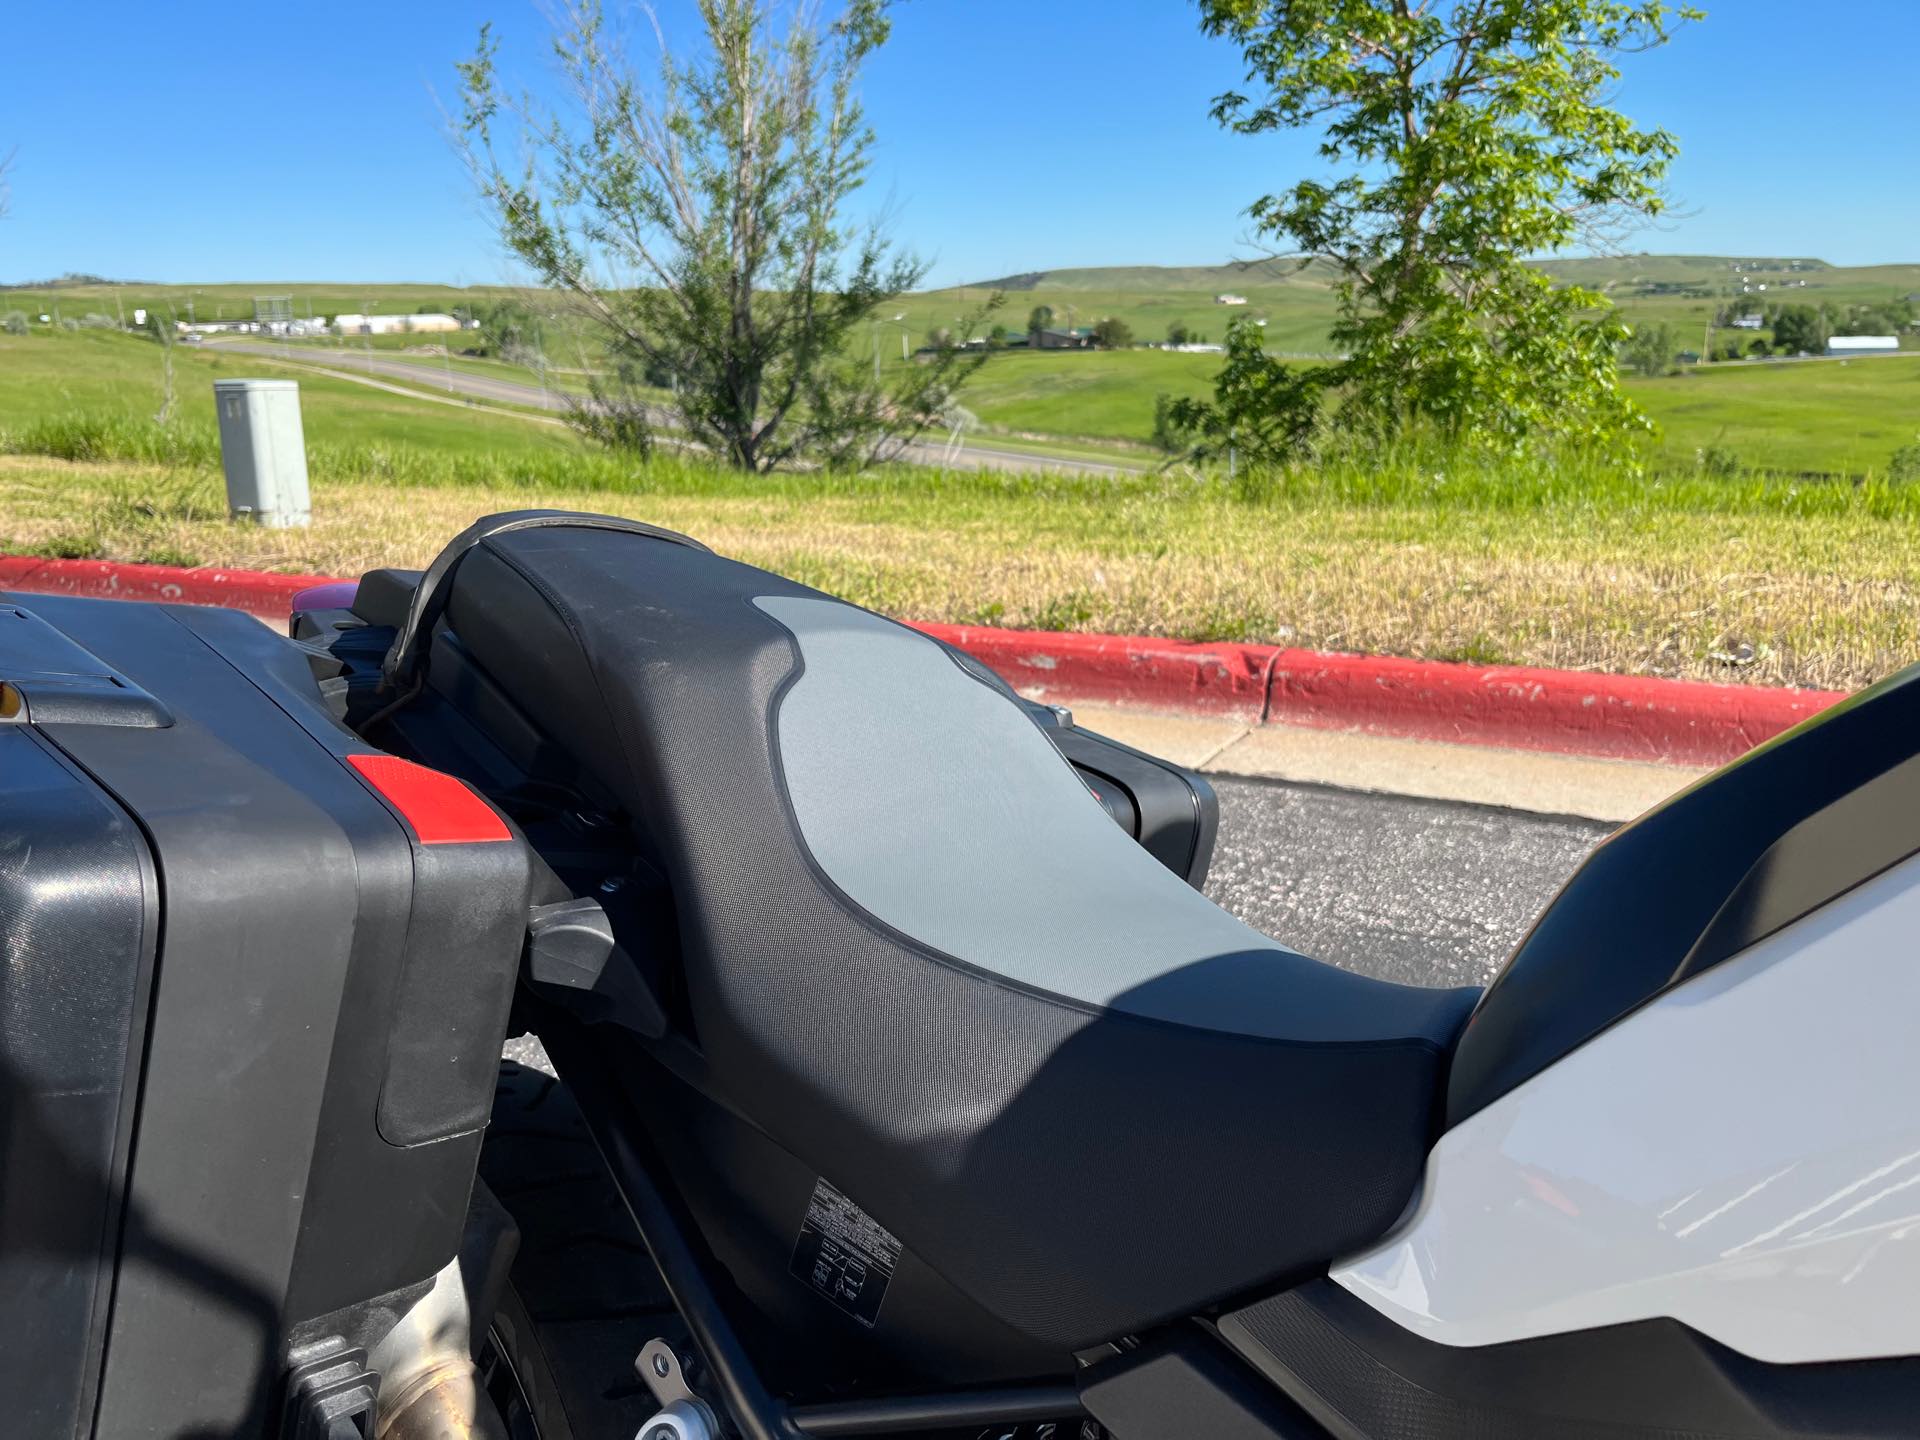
(256, 977)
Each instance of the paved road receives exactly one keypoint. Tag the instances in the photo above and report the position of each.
(351, 365)
(1422, 891)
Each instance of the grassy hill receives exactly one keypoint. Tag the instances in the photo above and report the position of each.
(1829, 417)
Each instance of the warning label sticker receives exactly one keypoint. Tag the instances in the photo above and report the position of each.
(845, 1254)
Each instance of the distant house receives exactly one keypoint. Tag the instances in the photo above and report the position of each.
(1748, 322)
(1081, 339)
(1862, 344)
(1229, 299)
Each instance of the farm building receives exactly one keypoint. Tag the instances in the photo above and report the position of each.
(1081, 339)
(394, 324)
(1862, 344)
(1229, 299)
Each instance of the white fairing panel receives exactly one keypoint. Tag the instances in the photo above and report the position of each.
(1741, 1155)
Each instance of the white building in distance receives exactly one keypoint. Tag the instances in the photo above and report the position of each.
(394, 324)
(1862, 344)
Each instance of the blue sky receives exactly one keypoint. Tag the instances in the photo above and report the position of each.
(189, 141)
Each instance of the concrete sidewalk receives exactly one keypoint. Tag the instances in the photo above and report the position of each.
(1546, 784)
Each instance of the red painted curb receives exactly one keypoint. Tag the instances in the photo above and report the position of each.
(1623, 717)
(255, 591)
(1630, 717)
(1226, 680)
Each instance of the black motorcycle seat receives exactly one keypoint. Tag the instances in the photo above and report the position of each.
(919, 955)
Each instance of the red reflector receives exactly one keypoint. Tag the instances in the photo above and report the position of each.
(440, 809)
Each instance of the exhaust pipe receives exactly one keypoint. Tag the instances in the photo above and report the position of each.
(429, 1386)
(443, 1403)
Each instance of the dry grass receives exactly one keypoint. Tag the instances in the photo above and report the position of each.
(1825, 600)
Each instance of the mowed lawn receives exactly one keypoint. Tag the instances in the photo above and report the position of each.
(1843, 417)
(1833, 417)
(107, 376)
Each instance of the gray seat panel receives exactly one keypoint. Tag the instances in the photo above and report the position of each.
(882, 742)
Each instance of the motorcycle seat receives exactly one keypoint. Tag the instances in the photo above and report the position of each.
(918, 954)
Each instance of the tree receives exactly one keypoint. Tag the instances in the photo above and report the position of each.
(506, 329)
(1468, 135)
(696, 224)
(1263, 412)
(1649, 349)
(1113, 334)
(1799, 329)
(1178, 334)
(1039, 318)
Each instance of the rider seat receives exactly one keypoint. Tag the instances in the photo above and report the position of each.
(919, 955)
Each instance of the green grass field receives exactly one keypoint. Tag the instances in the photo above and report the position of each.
(1828, 418)
(117, 379)
(1669, 570)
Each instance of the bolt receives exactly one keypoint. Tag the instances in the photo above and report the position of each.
(660, 1432)
(660, 1366)
(613, 884)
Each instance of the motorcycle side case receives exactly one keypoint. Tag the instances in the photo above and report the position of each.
(257, 977)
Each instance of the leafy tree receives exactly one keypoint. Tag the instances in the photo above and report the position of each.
(1800, 328)
(507, 329)
(696, 222)
(1178, 334)
(1263, 411)
(1758, 347)
(1113, 334)
(997, 338)
(1039, 318)
(1650, 349)
(1466, 136)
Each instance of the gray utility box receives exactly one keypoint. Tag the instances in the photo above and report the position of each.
(264, 450)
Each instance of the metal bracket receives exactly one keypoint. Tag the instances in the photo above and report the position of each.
(683, 1415)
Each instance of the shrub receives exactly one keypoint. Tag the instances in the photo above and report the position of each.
(1719, 462)
(14, 323)
(1903, 466)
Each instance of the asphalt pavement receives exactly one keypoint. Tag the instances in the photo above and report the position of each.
(1427, 892)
